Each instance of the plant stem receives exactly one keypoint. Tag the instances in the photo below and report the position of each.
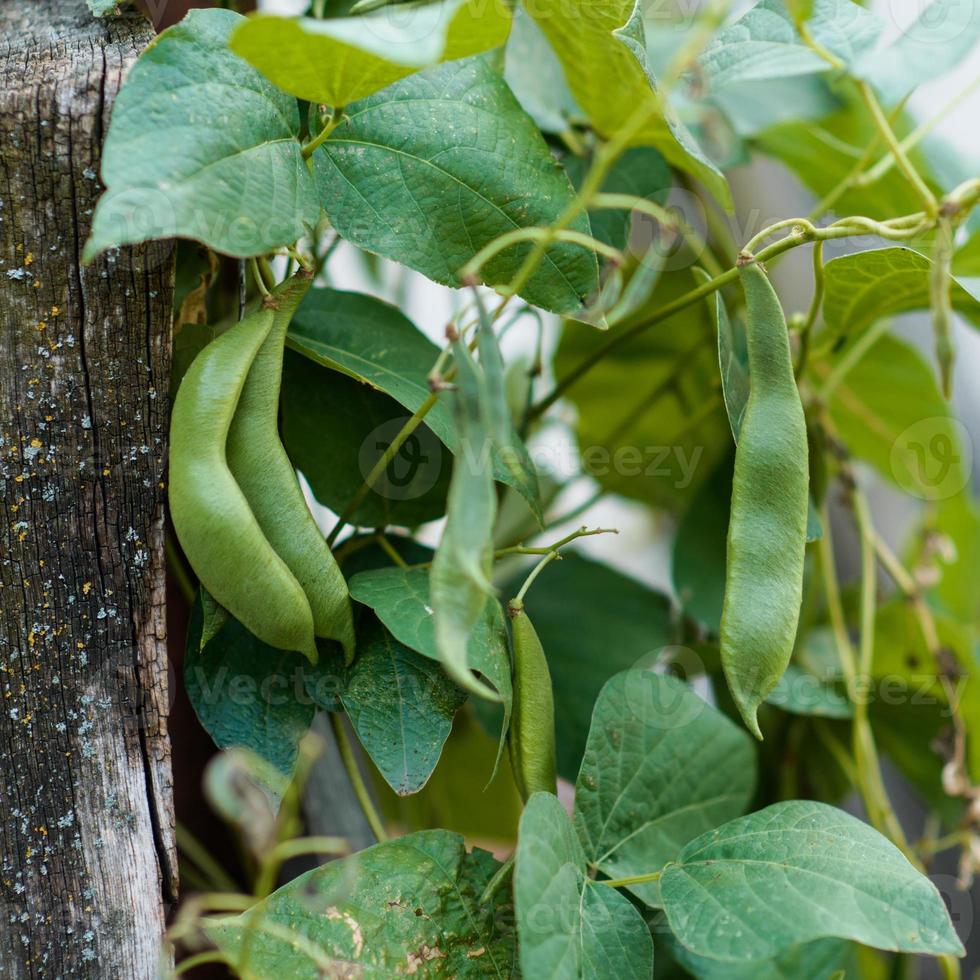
(218, 879)
(349, 759)
(382, 464)
(550, 554)
(632, 880)
(335, 118)
(389, 549)
(901, 158)
(802, 231)
(815, 303)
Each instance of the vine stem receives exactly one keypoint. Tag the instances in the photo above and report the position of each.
(382, 464)
(349, 760)
(632, 880)
(550, 554)
(803, 231)
(869, 783)
(335, 118)
(901, 158)
(815, 303)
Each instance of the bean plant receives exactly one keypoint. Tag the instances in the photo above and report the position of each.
(568, 771)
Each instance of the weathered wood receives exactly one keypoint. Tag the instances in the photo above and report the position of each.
(87, 864)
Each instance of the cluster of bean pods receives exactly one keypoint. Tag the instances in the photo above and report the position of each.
(235, 501)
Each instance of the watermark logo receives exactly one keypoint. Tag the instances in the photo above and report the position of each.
(932, 458)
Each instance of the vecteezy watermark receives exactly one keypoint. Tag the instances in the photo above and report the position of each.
(414, 467)
(932, 458)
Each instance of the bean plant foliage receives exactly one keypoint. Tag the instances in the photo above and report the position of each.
(569, 771)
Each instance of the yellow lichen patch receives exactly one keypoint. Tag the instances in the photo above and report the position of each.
(86, 588)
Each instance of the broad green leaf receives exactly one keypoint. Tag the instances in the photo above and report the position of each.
(617, 621)
(762, 44)
(458, 797)
(661, 767)
(335, 429)
(569, 927)
(823, 959)
(651, 421)
(202, 146)
(401, 705)
(700, 547)
(863, 287)
(459, 581)
(603, 52)
(400, 599)
(801, 693)
(453, 133)
(343, 59)
(535, 76)
(373, 342)
(796, 872)
(933, 44)
(248, 695)
(888, 411)
(408, 906)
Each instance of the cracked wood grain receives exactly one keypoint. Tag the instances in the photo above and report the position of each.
(87, 862)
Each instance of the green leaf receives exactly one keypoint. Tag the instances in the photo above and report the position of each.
(650, 425)
(764, 43)
(700, 547)
(943, 34)
(617, 621)
(823, 959)
(248, 695)
(343, 59)
(202, 146)
(534, 74)
(335, 429)
(375, 343)
(569, 926)
(888, 411)
(400, 599)
(401, 706)
(661, 767)
(603, 52)
(459, 581)
(864, 287)
(453, 133)
(802, 693)
(795, 872)
(407, 906)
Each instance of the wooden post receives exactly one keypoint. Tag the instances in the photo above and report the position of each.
(87, 863)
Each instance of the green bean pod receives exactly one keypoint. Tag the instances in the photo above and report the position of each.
(531, 738)
(767, 527)
(259, 463)
(215, 525)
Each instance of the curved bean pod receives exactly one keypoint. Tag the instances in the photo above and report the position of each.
(531, 738)
(767, 528)
(259, 463)
(215, 525)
